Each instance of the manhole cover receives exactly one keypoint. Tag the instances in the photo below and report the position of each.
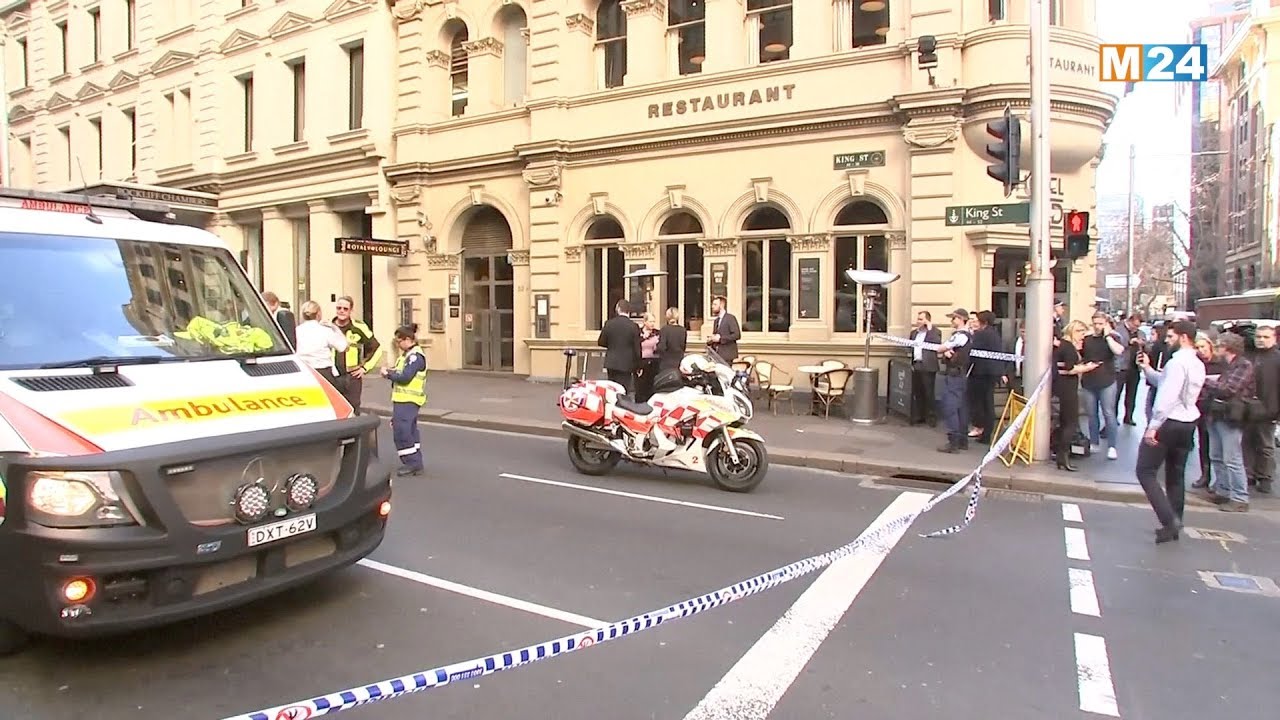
(1241, 583)
(1236, 582)
(1214, 535)
(1018, 495)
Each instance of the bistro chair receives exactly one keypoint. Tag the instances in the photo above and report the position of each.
(830, 388)
(776, 384)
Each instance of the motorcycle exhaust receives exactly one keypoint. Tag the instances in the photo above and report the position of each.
(585, 434)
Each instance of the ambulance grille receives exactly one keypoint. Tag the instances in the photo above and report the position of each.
(65, 383)
(272, 368)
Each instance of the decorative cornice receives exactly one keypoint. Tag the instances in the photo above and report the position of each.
(483, 46)
(636, 8)
(443, 261)
(810, 243)
(438, 58)
(581, 23)
(573, 253)
(519, 258)
(289, 23)
(639, 250)
(172, 60)
(543, 177)
(403, 195)
(718, 247)
(932, 132)
(406, 10)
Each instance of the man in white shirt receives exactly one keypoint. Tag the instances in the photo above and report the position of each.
(1171, 429)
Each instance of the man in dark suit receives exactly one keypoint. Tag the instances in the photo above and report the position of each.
(620, 338)
(725, 330)
(924, 370)
(283, 317)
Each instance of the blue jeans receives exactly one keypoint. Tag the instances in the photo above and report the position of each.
(1104, 399)
(1226, 454)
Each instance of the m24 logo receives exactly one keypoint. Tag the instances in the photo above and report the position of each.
(1160, 63)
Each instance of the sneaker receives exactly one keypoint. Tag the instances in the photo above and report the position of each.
(1112, 454)
(1234, 506)
(1264, 487)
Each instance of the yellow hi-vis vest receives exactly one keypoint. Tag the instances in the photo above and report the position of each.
(414, 391)
(358, 335)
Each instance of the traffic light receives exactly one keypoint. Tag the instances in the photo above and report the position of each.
(1075, 232)
(1006, 152)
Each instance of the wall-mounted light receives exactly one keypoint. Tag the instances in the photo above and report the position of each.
(775, 47)
(871, 6)
(697, 59)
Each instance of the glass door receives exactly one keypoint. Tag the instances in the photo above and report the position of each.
(488, 313)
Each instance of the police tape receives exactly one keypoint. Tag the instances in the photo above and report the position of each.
(908, 342)
(392, 688)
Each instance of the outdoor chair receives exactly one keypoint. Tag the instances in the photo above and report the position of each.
(830, 388)
(776, 384)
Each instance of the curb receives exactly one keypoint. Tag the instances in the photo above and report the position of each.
(998, 478)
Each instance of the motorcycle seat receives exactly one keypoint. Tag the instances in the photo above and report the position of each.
(632, 406)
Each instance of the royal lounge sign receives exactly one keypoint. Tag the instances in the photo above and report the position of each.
(371, 246)
(722, 101)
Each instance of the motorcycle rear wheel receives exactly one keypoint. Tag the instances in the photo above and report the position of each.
(590, 460)
(746, 474)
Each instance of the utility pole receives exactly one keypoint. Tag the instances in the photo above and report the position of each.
(1039, 346)
(1128, 278)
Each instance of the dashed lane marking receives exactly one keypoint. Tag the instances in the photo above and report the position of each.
(1071, 513)
(638, 496)
(1077, 546)
(1084, 598)
(485, 595)
(1093, 673)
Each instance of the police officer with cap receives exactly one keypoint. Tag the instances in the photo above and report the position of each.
(954, 371)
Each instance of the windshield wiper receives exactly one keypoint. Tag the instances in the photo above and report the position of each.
(243, 355)
(104, 361)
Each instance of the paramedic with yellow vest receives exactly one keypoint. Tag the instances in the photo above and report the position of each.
(363, 353)
(408, 393)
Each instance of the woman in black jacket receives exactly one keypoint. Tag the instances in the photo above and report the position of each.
(1212, 366)
(672, 339)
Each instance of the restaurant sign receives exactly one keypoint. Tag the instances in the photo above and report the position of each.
(370, 246)
(721, 101)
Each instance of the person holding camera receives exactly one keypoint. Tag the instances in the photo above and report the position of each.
(1229, 398)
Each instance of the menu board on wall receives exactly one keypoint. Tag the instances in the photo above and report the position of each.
(810, 288)
(719, 279)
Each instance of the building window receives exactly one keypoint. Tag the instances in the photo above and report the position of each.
(515, 55)
(605, 268)
(95, 27)
(355, 87)
(682, 261)
(96, 125)
(767, 260)
(687, 34)
(860, 245)
(768, 30)
(1055, 12)
(64, 137)
(458, 70)
(870, 22)
(996, 10)
(246, 99)
(302, 260)
(611, 44)
(130, 24)
(64, 48)
(24, 77)
(131, 121)
(299, 69)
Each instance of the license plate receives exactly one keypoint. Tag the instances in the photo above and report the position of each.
(280, 530)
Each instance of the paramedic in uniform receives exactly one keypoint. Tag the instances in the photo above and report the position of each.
(408, 393)
(362, 355)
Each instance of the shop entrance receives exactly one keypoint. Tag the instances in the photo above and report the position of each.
(1009, 291)
(488, 292)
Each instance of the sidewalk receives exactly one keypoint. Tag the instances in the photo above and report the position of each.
(892, 449)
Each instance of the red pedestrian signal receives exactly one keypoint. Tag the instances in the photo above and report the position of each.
(1076, 234)
(1077, 223)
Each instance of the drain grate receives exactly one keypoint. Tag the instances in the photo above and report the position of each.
(1213, 535)
(1016, 495)
(1238, 582)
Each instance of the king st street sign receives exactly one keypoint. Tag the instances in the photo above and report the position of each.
(1007, 214)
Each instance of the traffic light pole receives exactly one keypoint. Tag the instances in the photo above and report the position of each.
(1038, 348)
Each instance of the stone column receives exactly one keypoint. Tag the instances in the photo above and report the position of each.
(523, 316)
(420, 93)
(726, 39)
(277, 254)
(720, 250)
(484, 63)
(811, 28)
(326, 265)
(646, 41)
(645, 253)
(985, 286)
(386, 272)
(554, 266)
(901, 314)
(813, 329)
(941, 260)
(231, 232)
(577, 55)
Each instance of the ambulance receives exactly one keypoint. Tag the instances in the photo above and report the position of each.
(163, 452)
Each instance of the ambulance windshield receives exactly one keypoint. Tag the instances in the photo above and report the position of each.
(69, 301)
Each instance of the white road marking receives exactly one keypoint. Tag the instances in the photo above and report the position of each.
(637, 496)
(1077, 547)
(1071, 513)
(477, 593)
(758, 681)
(1093, 673)
(1084, 598)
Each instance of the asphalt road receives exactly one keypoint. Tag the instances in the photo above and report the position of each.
(979, 625)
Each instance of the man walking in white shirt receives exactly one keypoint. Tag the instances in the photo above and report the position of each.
(1171, 429)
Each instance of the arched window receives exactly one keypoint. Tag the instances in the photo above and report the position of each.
(515, 55)
(768, 30)
(611, 44)
(605, 268)
(687, 35)
(860, 245)
(685, 288)
(766, 271)
(457, 34)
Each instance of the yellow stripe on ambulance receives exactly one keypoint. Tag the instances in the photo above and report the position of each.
(157, 413)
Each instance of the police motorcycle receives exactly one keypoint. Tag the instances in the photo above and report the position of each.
(712, 375)
(681, 427)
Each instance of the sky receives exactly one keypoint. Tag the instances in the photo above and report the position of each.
(1146, 117)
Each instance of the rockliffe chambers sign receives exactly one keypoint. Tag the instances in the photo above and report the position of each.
(721, 101)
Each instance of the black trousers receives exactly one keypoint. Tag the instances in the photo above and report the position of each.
(352, 389)
(982, 403)
(1068, 421)
(644, 380)
(1260, 452)
(1173, 446)
(625, 378)
(1202, 442)
(1127, 385)
(923, 396)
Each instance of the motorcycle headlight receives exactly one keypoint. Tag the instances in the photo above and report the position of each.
(76, 500)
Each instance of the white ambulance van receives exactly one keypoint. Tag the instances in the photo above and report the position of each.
(163, 454)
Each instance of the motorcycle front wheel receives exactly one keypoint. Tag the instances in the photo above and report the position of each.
(590, 460)
(745, 474)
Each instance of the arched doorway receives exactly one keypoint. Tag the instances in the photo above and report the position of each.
(488, 292)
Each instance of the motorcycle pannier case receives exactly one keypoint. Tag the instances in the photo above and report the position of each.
(667, 381)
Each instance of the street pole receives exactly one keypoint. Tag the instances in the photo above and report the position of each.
(1039, 346)
(1128, 278)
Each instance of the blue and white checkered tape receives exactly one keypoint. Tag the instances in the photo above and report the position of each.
(468, 669)
(908, 342)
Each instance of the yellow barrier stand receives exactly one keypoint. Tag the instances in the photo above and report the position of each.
(1022, 448)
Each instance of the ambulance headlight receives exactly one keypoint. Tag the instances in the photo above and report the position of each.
(77, 499)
